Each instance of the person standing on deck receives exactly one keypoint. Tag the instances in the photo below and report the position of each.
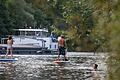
(62, 47)
(9, 46)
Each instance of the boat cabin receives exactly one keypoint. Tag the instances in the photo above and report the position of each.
(38, 37)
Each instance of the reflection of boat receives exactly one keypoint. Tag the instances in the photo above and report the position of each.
(31, 41)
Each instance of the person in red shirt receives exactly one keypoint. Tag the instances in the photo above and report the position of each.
(62, 47)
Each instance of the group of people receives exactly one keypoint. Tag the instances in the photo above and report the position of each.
(61, 47)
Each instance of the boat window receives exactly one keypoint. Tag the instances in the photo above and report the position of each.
(55, 46)
(16, 33)
(22, 33)
(50, 46)
(41, 34)
(30, 33)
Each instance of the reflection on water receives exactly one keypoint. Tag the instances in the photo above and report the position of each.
(42, 67)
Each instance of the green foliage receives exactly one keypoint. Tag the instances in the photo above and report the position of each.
(108, 28)
(79, 14)
(19, 15)
(41, 19)
(5, 23)
(115, 43)
(73, 39)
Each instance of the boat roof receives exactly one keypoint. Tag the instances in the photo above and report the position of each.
(42, 30)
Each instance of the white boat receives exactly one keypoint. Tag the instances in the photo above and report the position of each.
(34, 38)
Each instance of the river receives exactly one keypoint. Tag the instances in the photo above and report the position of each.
(42, 67)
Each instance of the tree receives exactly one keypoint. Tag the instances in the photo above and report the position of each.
(77, 15)
(107, 14)
(5, 23)
(20, 13)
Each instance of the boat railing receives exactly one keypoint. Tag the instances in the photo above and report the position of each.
(32, 37)
(4, 40)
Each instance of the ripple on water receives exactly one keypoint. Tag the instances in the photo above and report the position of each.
(43, 68)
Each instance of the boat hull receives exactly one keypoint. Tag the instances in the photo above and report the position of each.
(27, 49)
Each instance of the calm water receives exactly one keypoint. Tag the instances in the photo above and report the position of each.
(42, 67)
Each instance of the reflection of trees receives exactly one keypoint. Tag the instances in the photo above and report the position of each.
(2, 77)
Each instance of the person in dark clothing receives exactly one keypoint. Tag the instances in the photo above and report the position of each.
(95, 67)
(62, 47)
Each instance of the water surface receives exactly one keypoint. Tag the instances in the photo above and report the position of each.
(42, 67)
